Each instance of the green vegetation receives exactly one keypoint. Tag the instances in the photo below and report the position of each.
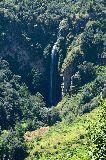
(16, 103)
(29, 30)
(97, 135)
(75, 128)
(68, 141)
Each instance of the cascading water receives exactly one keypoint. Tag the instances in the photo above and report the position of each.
(55, 78)
(54, 73)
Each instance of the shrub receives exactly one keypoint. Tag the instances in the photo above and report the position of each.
(53, 116)
(97, 135)
(87, 72)
(12, 146)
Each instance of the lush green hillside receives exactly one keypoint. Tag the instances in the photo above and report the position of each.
(52, 51)
(62, 141)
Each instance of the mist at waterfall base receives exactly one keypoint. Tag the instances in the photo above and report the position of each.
(55, 82)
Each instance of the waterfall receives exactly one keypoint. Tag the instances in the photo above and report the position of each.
(53, 72)
(53, 75)
(55, 79)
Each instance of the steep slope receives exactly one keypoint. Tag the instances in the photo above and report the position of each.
(52, 75)
(68, 139)
(68, 142)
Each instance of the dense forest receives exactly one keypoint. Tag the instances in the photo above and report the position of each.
(52, 80)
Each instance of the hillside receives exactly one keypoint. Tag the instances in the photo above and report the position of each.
(65, 141)
(52, 79)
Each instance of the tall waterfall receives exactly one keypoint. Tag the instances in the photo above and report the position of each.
(54, 72)
(53, 75)
(55, 79)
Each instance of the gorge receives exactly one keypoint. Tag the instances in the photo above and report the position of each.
(52, 79)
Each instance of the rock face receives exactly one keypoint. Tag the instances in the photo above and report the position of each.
(16, 53)
(22, 63)
(66, 80)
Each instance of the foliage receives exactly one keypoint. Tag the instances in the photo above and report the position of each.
(12, 146)
(97, 135)
(28, 31)
(53, 116)
(85, 99)
(87, 72)
(16, 103)
(64, 140)
(35, 25)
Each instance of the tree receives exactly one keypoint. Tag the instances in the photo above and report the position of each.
(12, 146)
(97, 135)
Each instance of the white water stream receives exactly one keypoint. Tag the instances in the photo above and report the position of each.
(52, 74)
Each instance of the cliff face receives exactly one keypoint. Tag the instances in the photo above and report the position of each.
(15, 52)
(19, 55)
(24, 64)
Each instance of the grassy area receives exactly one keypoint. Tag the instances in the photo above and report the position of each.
(64, 141)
